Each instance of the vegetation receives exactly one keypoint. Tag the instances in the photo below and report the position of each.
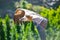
(53, 27)
(11, 31)
(27, 30)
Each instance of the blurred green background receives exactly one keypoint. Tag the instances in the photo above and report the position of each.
(49, 9)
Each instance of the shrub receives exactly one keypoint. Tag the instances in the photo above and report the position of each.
(11, 31)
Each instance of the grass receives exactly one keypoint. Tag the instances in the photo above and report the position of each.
(24, 31)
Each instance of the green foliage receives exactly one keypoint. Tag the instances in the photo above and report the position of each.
(2, 30)
(27, 30)
(53, 27)
(11, 31)
(53, 17)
